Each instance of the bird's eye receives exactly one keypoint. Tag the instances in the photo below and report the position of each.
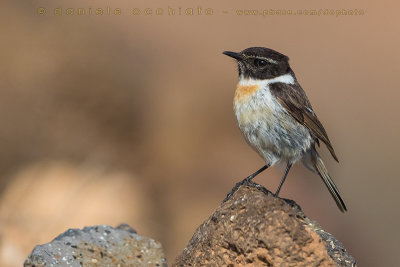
(260, 62)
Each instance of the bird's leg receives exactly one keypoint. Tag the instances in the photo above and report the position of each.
(251, 176)
(246, 180)
(289, 165)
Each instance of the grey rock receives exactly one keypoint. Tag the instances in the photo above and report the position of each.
(100, 245)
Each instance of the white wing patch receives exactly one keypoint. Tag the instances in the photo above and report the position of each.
(310, 110)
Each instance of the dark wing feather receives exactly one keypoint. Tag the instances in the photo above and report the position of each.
(294, 100)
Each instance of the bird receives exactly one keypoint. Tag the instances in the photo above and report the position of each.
(276, 118)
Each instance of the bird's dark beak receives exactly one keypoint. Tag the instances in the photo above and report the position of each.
(233, 54)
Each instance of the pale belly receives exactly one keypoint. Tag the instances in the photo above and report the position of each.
(270, 130)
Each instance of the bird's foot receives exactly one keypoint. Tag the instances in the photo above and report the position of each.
(245, 182)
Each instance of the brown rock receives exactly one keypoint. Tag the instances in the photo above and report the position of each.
(254, 228)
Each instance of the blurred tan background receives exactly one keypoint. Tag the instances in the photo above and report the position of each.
(110, 119)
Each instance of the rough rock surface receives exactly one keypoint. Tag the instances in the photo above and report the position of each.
(98, 246)
(254, 228)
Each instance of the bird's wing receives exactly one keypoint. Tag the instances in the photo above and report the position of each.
(294, 100)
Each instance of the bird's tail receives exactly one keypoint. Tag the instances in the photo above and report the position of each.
(323, 172)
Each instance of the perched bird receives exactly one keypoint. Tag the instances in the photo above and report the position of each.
(276, 117)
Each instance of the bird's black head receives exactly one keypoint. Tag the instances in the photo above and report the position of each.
(260, 63)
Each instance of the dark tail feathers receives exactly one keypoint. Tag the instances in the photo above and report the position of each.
(323, 172)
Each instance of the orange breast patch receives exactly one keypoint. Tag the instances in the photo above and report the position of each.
(243, 91)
